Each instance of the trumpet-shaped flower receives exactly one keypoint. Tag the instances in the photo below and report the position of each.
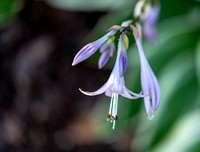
(91, 48)
(115, 86)
(150, 86)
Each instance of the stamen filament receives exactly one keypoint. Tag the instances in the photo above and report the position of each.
(112, 114)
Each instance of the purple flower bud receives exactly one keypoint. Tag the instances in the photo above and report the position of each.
(112, 49)
(103, 59)
(107, 50)
(149, 23)
(91, 48)
(123, 59)
(104, 47)
(123, 62)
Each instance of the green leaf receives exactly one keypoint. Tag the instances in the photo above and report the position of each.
(8, 9)
(183, 134)
(197, 61)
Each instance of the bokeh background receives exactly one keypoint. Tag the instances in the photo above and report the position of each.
(41, 108)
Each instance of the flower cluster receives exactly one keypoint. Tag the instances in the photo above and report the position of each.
(144, 18)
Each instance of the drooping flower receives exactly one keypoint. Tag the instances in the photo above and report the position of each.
(91, 48)
(149, 23)
(114, 86)
(150, 86)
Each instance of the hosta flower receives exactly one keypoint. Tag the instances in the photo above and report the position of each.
(144, 18)
(91, 48)
(149, 23)
(150, 86)
(115, 86)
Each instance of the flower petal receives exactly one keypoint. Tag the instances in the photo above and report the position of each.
(140, 95)
(127, 94)
(147, 105)
(97, 92)
(156, 89)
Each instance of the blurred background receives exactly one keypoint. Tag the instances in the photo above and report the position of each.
(41, 108)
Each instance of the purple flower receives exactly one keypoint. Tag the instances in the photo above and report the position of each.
(149, 23)
(107, 50)
(91, 48)
(115, 86)
(150, 86)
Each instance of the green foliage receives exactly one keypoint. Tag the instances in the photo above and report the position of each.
(8, 9)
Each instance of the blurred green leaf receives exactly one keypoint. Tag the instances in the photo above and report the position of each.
(8, 9)
(197, 61)
(185, 133)
(89, 5)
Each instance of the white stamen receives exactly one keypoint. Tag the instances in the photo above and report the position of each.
(113, 107)
(111, 104)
